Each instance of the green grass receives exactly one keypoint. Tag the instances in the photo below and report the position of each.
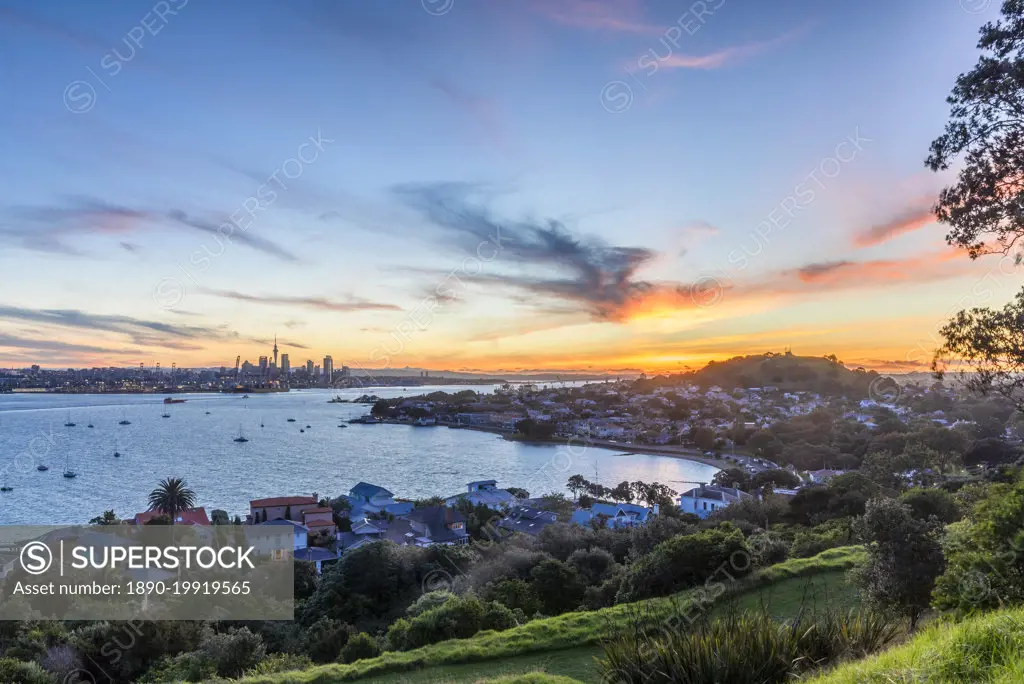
(988, 649)
(570, 631)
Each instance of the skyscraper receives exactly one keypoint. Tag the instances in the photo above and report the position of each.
(263, 365)
(286, 365)
(328, 370)
(309, 368)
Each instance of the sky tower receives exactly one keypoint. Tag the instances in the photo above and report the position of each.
(275, 349)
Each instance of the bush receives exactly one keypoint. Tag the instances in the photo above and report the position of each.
(558, 587)
(280, 662)
(685, 562)
(458, 618)
(184, 667)
(927, 502)
(515, 594)
(325, 639)
(744, 649)
(767, 548)
(233, 652)
(17, 672)
(593, 565)
(360, 646)
(807, 543)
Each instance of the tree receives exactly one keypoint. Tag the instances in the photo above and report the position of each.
(518, 492)
(776, 478)
(732, 477)
(991, 452)
(108, 518)
(925, 503)
(904, 558)
(172, 497)
(360, 646)
(622, 492)
(576, 484)
(558, 586)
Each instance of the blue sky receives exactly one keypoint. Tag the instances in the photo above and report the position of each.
(631, 195)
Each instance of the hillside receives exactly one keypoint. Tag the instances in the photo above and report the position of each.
(792, 374)
(570, 641)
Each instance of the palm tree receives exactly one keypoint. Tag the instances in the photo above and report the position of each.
(172, 497)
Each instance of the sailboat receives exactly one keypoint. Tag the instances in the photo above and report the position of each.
(241, 435)
(68, 473)
(261, 421)
(166, 415)
(42, 468)
(124, 419)
(90, 425)
(69, 423)
(117, 454)
(5, 488)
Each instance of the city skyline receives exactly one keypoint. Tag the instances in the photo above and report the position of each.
(588, 185)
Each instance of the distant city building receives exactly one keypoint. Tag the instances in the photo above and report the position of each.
(263, 365)
(328, 369)
(309, 368)
(346, 372)
(275, 350)
(286, 365)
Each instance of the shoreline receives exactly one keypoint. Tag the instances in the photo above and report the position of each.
(683, 453)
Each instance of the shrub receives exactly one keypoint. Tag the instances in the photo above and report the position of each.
(593, 565)
(515, 594)
(360, 646)
(558, 587)
(811, 542)
(184, 667)
(325, 639)
(744, 649)
(233, 652)
(685, 562)
(767, 548)
(458, 618)
(280, 662)
(928, 502)
(17, 672)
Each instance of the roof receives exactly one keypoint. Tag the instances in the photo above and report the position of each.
(483, 482)
(436, 519)
(320, 509)
(365, 490)
(714, 493)
(282, 521)
(320, 523)
(193, 516)
(313, 554)
(282, 501)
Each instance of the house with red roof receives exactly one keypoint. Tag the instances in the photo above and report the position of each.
(192, 516)
(280, 508)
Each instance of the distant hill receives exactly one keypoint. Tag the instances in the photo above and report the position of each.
(826, 376)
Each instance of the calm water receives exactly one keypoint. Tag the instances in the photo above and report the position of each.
(278, 460)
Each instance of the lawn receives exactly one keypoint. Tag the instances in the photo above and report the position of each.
(574, 631)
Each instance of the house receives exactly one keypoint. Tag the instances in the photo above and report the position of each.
(706, 499)
(366, 499)
(273, 540)
(824, 475)
(484, 493)
(193, 516)
(320, 521)
(280, 508)
(615, 515)
(527, 520)
(438, 525)
(317, 556)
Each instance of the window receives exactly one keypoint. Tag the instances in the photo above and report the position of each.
(705, 505)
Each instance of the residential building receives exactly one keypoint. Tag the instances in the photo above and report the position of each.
(193, 516)
(366, 499)
(824, 475)
(706, 499)
(527, 520)
(484, 493)
(274, 541)
(438, 525)
(281, 507)
(318, 556)
(614, 515)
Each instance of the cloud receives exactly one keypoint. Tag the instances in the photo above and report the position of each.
(284, 344)
(141, 331)
(13, 341)
(913, 218)
(318, 303)
(812, 272)
(617, 16)
(926, 267)
(597, 277)
(47, 228)
(727, 56)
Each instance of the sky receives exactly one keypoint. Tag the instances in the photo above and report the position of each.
(589, 185)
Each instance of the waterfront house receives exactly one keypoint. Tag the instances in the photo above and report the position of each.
(320, 522)
(438, 525)
(280, 508)
(484, 493)
(528, 520)
(704, 500)
(192, 516)
(318, 556)
(614, 515)
(366, 499)
(273, 540)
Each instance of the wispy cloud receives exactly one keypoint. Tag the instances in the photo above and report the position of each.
(15, 342)
(912, 218)
(318, 303)
(50, 228)
(729, 55)
(619, 16)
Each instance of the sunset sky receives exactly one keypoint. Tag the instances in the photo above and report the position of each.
(474, 185)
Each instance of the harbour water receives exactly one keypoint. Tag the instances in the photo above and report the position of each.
(197, 443)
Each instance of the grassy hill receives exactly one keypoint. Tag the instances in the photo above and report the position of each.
(567, 644)
(792, 374)
(988, 649)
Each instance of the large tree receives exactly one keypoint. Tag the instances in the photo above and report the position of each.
(984, 208)
(171, 497)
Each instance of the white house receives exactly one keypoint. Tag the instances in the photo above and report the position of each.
(706, 499)
(484, 493)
